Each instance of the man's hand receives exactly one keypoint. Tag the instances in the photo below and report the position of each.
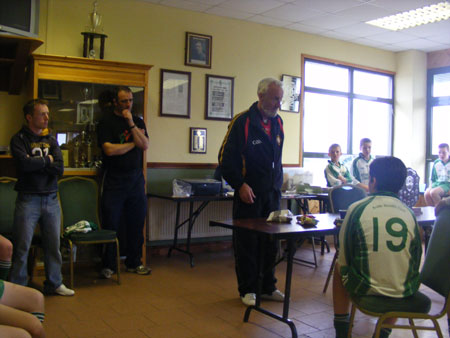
(342, 179)
(246, 194)
(51, 158)
(126, 114)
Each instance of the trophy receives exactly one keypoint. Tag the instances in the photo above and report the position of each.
(95, 19)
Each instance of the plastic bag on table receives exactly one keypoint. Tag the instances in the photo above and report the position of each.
(181, 188)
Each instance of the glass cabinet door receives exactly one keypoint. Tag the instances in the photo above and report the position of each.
(74, 117)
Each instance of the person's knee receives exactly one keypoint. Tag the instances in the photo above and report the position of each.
(36, 299)
(6, 249)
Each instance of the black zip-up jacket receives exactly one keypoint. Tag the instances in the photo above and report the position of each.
(248, 155)
(36, 174)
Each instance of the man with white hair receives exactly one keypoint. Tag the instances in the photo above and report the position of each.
(250, 160)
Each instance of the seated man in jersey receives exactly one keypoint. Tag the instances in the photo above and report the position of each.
(380, 245)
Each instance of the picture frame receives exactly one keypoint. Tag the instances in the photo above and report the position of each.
(292, 89)
(219, 97)
(197, 142)
(49, 90)
(175, 94)
(85, 113)
(198, 50)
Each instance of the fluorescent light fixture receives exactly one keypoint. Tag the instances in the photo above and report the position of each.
(415, 17)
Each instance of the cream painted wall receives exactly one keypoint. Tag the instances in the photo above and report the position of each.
(410, 110)
(142, 32)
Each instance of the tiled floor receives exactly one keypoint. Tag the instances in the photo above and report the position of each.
(179, 301)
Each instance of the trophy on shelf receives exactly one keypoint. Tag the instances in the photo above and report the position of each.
(92, 32)
(95, 19)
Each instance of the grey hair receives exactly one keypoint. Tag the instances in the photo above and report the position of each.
(264, 84)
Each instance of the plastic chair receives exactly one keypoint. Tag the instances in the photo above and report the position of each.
(7, 205)
(340, 199)
(435, 274)
(409, 193)
(78, 197)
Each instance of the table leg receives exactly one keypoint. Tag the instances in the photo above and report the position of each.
(290, 255)
(175, 235)
(188, 242)
(191, 221)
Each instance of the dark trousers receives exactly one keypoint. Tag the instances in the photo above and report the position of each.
(246, 244)
(124, 195)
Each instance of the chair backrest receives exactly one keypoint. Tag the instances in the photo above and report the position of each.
(342, 196)
(409, 193)
(435, 272)
(7, 204)
(78, 197)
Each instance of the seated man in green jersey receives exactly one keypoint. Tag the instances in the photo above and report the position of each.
(380, 245)
(337, 173)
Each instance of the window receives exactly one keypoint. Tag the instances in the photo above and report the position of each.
(438, 114)
(343, 104)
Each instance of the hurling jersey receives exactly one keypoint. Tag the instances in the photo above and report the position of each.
(380, 247)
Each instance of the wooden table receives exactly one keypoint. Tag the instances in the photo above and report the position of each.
(291, 232)
(194, 213)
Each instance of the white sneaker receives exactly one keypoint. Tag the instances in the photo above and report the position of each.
(249, 299)
(62, 290)
(276, 296)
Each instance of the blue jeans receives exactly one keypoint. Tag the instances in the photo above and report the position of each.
(32, 209)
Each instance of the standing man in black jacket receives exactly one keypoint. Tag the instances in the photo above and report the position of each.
(39, 163)
(250, 160)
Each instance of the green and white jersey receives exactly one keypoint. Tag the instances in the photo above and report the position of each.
(440, 173)
(380, 247)
(332, 172)
(360, 167)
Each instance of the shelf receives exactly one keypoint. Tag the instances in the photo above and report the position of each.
(14, 53)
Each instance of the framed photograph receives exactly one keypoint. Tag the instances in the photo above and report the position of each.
(291, 98)
(175, 94)
(49, 90)
(197, 144)
(85, 113)
(198, 50)
(219, 97)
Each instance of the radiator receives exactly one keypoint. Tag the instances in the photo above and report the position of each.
(162, 214)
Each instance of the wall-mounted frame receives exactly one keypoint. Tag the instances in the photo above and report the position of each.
(219, 97)
(175, 94)
(197, 143)
(49, 90)
(198, 50)
(85, 113)
(291, 98)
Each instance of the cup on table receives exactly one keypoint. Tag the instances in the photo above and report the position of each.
(342, 213)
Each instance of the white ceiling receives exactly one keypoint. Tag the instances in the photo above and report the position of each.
(338, 19)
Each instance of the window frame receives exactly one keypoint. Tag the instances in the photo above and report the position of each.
(351, 96)
(431, 103)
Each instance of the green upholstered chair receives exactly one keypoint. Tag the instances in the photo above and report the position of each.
(7, 205)
(79, 199)
(340, 199)
(435, 274)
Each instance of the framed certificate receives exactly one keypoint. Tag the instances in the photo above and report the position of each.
(197, 144)
(291, 98)
(219, 97)
(175, 93)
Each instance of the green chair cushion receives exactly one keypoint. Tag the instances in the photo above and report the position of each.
(381, 304)
(93, 236)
